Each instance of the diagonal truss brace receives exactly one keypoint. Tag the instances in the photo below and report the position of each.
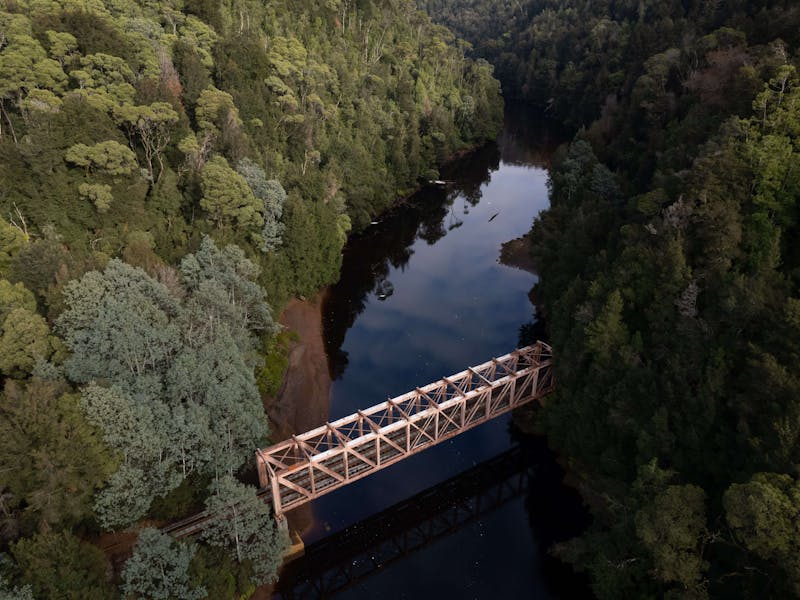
(319, 461)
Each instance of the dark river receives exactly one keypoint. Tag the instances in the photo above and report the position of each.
(422, 295)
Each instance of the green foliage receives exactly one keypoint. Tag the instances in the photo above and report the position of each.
(183, 500)
(333, 112)
(59, 565)
(38, 266)
(310, 265)
(24, 339)
(132, 130)
(7, 592)
(276, 362)
(150, 456)
(211, 273)
(24, 335)
(118, 325)
(215, 111)
(12, 240)
(98, 194)
(225, 419)
(24, 66)
(227, 198)
(159, 569)
(14, 296)
(215, 570)
(178, 393)
(109, 157)
(669, 272)
(764, 516)
(242, 523)
(271, 192)
(62, 45)
(192, 64)
(53, 458)
(151, 126)
(606, 333)
(673, 528)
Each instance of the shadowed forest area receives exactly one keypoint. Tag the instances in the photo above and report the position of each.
(670, 279)
(171, 174)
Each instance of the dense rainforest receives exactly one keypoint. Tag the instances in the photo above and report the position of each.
(670, 279)
(171, 173)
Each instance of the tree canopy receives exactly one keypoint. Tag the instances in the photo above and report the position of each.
(669, 276)
(173, 173)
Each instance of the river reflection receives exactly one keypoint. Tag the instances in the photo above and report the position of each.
(422, 295)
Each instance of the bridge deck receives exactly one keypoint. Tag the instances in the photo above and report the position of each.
(324, 459)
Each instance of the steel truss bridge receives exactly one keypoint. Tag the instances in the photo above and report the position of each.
(344, 559)
(329, 457)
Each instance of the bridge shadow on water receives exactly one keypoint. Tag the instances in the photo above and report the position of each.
(348, 558)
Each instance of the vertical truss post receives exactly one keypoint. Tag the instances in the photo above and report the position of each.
(276, 494)
(326, 458)
(261, 465)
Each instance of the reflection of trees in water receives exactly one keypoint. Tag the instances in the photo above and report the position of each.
(556, 513)
(471, 173)
(432, 231)
(428, 216)
(453, 220)
(528, 139)
(383, 289)
(368, 260)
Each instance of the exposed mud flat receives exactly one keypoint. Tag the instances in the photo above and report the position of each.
(304, 398)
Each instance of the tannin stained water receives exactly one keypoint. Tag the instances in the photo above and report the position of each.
(422, 295)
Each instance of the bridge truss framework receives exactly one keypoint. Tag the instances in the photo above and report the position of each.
(329, 457)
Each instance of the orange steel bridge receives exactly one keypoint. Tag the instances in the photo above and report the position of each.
(329, 457)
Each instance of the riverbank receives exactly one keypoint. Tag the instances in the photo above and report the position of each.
(302, 401)
(453, 304)
(517, 253)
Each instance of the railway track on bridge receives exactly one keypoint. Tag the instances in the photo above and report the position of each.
(309, 465)
(324, 459)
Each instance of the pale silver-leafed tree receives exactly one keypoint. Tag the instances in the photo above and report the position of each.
(271, 192)
(242, 523)
(159, 569)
